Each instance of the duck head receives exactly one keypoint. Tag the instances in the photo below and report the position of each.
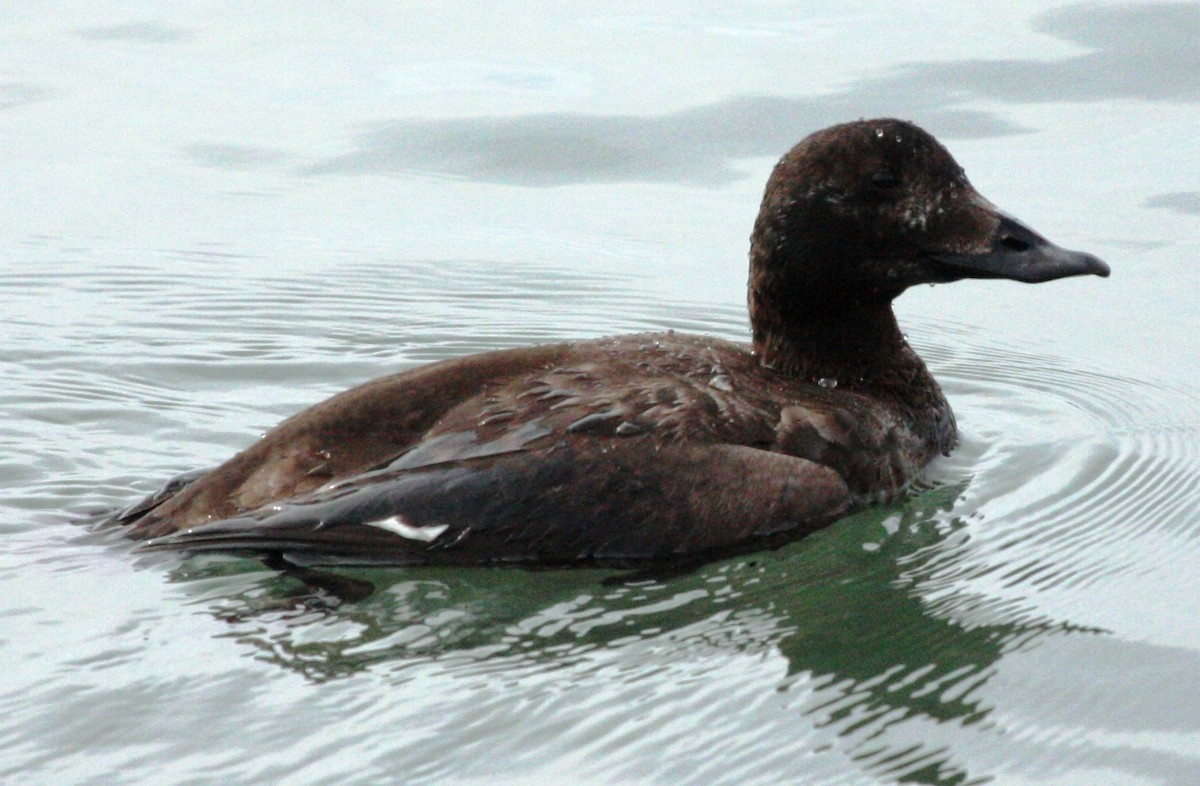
(856, 213)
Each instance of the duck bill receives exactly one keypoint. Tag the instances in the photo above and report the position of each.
(1020, 254)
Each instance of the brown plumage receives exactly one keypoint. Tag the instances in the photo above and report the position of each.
(648, 447)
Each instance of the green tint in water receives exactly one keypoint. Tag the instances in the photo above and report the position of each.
(841, 610)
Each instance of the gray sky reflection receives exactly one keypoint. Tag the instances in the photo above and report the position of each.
(1144, 52)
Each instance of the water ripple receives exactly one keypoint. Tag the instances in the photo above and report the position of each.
(879, 649)
(1085, 466)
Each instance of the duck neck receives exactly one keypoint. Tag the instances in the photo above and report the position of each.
(850, 345)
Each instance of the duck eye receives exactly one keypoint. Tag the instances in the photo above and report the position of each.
(885, 178)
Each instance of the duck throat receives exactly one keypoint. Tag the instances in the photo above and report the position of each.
(848, 344)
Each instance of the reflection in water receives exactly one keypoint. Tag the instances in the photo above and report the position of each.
(863, 652)
(15, 94)
(891, 633)
(1186, 202)
(695, 145)
(235, 157)
(140, 32)
(890, 640)
(1144, 51)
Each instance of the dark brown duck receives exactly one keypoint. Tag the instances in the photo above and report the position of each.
(653, 447)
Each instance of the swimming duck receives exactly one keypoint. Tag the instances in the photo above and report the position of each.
(650, 447)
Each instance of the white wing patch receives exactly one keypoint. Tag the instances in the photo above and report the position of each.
(405, 530)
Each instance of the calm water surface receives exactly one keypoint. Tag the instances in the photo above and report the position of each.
(210, 222)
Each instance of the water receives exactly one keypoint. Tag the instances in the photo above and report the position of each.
(211, 223)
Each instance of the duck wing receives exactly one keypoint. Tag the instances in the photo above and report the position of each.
(601, 503)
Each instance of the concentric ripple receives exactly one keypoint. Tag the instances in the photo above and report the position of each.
(883, 649)
(871, 650)
(1080, 477)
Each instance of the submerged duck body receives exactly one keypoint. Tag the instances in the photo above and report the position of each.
(652, 447)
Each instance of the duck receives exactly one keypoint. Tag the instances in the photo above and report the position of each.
(655, 447)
